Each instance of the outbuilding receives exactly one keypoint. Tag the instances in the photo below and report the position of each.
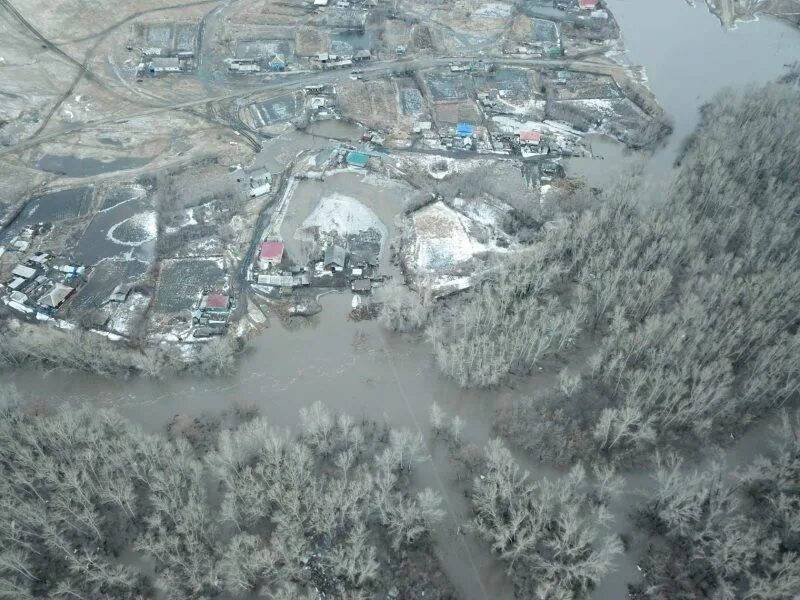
(530, 138)
(24, 272)
(464, 130)
(357, 159)
(361, 286)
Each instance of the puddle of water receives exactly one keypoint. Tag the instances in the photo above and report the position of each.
(71, 166)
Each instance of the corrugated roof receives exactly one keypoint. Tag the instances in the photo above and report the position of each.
(464, 129)
(335, 255)
(357, 159)
(271, 250)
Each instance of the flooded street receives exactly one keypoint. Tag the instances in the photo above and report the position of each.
(358, 368)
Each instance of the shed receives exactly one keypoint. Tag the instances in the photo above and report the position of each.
(357, 159)
(362, 55)
(165, 65)
(24, 272)
(361, 286)
(464, 130)
(335, 258)
(56, 296)
(271, 254)
(320, 2)
(120, 293)
(278, 63)
(530, 138)
(16, 283)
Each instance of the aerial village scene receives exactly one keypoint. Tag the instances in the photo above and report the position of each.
(400, 299)
(202, 241)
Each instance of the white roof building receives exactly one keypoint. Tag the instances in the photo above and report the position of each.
(24, 272)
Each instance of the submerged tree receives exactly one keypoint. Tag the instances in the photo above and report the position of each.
(552, 534)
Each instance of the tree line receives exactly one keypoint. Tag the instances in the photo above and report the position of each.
(690, 305)
(92, 507)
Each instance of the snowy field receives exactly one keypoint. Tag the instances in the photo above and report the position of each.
(337, 214)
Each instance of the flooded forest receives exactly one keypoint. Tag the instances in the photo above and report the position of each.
(390, 353)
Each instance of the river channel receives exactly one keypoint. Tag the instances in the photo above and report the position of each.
(359, 369)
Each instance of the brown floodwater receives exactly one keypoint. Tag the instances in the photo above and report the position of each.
(360, 369)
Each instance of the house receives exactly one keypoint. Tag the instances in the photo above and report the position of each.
(165, 65)
(464, 130)
(587, 4)
(215, 303)
(400, 50)
(357, 159)
(24, 272)
(362, 55)
(56, 296)
(320, 2)
(335, 258)
(271, 254)
(530, 138)
(260, 183)
(324, 57)
(278, 63)
(40, 258)
(361, 286)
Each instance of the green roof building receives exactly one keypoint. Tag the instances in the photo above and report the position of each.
(357, 159)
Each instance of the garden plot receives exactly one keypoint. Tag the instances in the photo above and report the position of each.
(412, 101)
(182, 282)
(580, 88)
(52, 207)
(452, 113)
(263, 49)
(544, 32)
(373, 103)
(276, 110)
(169, 38)
(125, 222)
(102, 281)
(449, 87)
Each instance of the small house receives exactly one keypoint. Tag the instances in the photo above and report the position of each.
(464, 130)
(400, 50)
(362, 55)
(530, 138)
(215, 303)
(357, 159)
(588, 4)
(56, 296)
(271, 254)
(278, 63)
(361, 286)
(335, 258)
(16, 283)
(320, 2)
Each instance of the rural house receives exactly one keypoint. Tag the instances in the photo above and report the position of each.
(271, 254)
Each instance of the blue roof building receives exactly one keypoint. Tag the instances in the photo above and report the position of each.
(464, 130)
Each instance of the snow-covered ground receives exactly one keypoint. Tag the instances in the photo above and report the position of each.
(341, 215)
(444, 239)
(135, 231)
(493, 10)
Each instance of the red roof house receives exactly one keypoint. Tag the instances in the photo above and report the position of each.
(531, 138)
(270, 255)
(588, 4)
(215, 302)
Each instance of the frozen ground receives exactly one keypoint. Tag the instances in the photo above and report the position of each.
(341, 215)
(444, 239)
(134, 231)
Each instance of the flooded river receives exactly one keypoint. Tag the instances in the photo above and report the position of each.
(359, 369)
